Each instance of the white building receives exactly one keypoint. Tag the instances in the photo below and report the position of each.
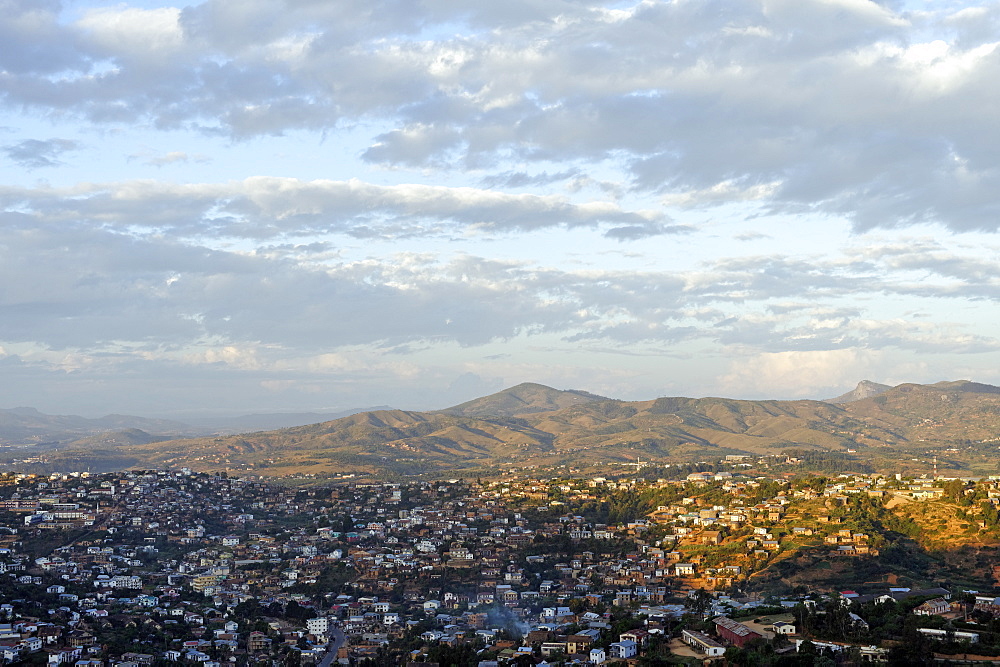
(318, 626)
(624, 649)
(957, 635)
(702, 642)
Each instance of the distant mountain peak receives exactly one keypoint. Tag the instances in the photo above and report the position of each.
(521, 399)
(865, 389)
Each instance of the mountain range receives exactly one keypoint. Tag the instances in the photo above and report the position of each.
(24, 426)
(534, 425)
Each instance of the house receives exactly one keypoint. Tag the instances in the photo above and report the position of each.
(703, 643)
(783, 628)
(934, 607)
(624, 649)
(549, 648)
(10, 651)
(735, 633)
(639, 636)
(32, 644)
(711, 537)
(258, 641)
(580, 642)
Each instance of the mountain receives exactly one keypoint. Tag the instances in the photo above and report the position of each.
(131, 436)
(533, 425)
(960, 412)
(531, 429)
(523, 399)
(272, 420)
(28, 425)
(865, 389)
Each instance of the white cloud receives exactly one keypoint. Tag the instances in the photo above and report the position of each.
(171, 157)
(840, 106)
(799, 373)
(264, 207)
(241, 357)
(134, 33)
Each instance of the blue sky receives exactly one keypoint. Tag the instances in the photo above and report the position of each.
(270, 205)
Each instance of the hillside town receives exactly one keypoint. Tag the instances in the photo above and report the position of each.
(165, 567)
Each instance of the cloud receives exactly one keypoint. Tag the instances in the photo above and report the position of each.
(468, 386)
(111, 307)
(523, 179)
(230, 355)
(507, 155)
(852, 109)
(132, 33)
(37, 153)
(751, 236)
(173, 157)
(103, 284)
(268, 207)
(799, 373)
(34, 41)
(642, 231)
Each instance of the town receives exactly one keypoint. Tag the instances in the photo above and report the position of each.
(161, 567)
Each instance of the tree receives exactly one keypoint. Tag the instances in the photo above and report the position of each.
(698, 603)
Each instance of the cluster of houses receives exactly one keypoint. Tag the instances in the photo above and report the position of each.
(173, 552)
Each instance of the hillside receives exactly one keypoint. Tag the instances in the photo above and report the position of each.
(130, 436)
(533, 425)
(865, 389)
(28, 426)
(959, 412)
(523, 399)
(24, 425)
(271, 421)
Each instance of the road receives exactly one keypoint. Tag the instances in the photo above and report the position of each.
(337, 640)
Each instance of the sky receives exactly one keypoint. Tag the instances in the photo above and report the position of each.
(237, 206)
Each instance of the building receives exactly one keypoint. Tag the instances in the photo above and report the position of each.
(258, 641)
(934, 607)
(703, 643)
(624, 649)
(318, 626)
(783, 628)
(735, 633)
(954, 635)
